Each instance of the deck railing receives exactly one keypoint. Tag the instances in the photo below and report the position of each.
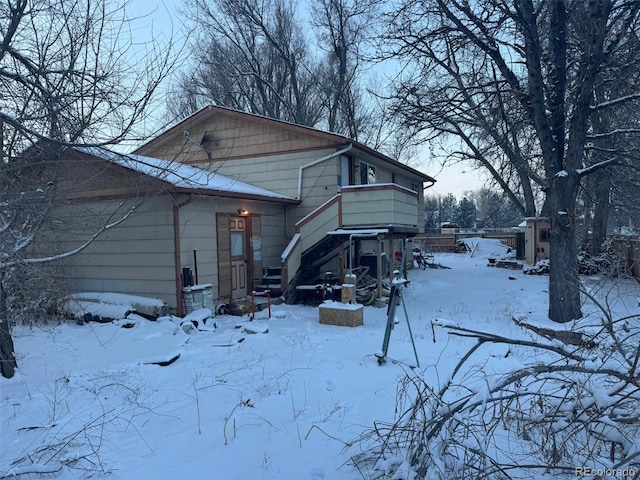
(380, 204)
(361, 206)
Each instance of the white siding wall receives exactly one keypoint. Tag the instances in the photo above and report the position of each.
(316, 229)
(136, 257)
(279, 173)
(378, 206)
(386, 175)
(274, 238)
(198, 232)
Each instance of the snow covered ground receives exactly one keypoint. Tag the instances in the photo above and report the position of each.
(287, 402)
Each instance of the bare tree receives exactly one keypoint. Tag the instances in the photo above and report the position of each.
(344, 30)
(517, 79)
(69, 77)
(624, 214)
(483, 127)
(613, 137)
(494, 209)
(257, 57)
(252, 56)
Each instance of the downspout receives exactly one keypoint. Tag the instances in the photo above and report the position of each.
(176, 251)
(315, 162)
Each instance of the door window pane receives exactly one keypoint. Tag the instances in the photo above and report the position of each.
(237, 244)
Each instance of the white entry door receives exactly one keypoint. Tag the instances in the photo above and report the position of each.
(237, 232)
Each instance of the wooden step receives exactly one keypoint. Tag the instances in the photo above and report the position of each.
(270, 271)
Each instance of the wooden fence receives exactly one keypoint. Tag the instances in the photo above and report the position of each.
(629, 248)
(448, 243)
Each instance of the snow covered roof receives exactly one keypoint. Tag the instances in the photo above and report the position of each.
(183, 176)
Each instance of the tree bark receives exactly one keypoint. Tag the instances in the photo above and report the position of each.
(8, 362)
(602, 208)
(564, 284)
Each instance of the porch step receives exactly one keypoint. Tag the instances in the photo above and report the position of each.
(268, 286)
(272, 271)
(271, 280)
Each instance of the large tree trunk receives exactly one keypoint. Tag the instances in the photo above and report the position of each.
(8, 362)
(602, 208)
(564, 284)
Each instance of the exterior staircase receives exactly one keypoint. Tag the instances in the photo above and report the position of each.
(271, 280)
(387, 207)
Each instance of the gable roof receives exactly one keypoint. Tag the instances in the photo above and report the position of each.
(186, 178)
(209, 111)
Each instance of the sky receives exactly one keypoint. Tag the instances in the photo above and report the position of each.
(285, 397)
(154, 14)
(160, 20)
(455, 179)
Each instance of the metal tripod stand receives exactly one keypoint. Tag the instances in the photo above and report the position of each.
(395, 297)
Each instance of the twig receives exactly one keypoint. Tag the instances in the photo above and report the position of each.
(197, 407)
(326, 434)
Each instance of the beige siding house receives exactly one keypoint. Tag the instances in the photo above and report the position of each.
(224, 198)
(300, 162)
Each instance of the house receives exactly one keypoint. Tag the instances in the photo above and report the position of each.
(235, 202)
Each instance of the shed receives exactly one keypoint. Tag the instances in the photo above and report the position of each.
(537, 235)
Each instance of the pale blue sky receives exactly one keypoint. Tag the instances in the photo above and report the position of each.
(155, 20)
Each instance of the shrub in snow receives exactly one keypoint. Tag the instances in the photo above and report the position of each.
(609, 262)
(33, 293)
(533, 420)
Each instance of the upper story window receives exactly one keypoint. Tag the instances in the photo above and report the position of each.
(367, 174)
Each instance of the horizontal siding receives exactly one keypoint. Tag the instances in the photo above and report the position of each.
(142, 287)
(379, 207)
(319, 224)
(125, 254)
(135, 257)
(274, 239)
(137, 273)
(141, 233)
(198, 232)
(230, 136)
(279, 173)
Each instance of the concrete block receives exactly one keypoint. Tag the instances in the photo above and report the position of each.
(350, 279)
(341, 314)
(348, 293)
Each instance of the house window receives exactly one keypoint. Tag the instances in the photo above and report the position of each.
(394, 178)
(416, 187)
(545, 234)
(367, 174)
